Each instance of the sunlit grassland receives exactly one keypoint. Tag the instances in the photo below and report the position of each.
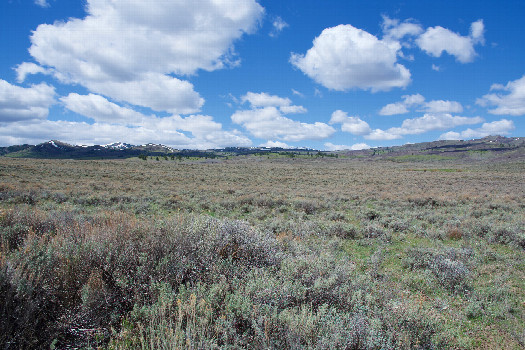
(262, 252)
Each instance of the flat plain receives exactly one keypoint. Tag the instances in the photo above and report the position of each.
(262, 252)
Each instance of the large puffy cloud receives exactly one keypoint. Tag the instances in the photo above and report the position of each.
(512, 103)
(100, 109)
(157, 91)
(123, 49)
(18, 103)
(353, 125)
(417, 100)
(500, 127)
(206, 133)
(269, 123)
(437, 39)
(345, 57)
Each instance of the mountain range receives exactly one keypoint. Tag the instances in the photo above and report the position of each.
(487, 147)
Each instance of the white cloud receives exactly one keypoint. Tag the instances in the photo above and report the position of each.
(394, 109)
(158, 91)
(205, 131)
(430, 122)
(435, 68)
(26, 68)
(122, 49)
(42, 3)
(417, 100)
(293, 109)
(500, 127)
(278, 25)
(100, 109)
(477, 29)
(395, 30)
(353, 125)
(378, 134)
(297, 93)
(356, 147)
(451, 135)
(437, 39)
(412, 100)
(440, 106)
(272, 144)
(19, 103)
(344, 57)
(511, 103)
(165, 131)
(269, 123)
(264, 99)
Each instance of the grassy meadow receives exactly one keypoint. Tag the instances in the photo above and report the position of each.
(262, 252)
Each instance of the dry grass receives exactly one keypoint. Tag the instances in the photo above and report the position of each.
(329, 253)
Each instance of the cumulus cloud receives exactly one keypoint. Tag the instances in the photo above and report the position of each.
(353, 125)
(500, 127)
(26, 68)
(167, 131)
(395, 30)
(510, 101)
(278, 25)
(417, 100)
(356, 147)
(430, 122)
(271, 144)
(345, 57)
(293, 109)
(394, 109)
(122, 49)
(157, 91)
(436, 40)
(441, 106)
(402, 107)
(18, 103)
(264, 99)
(269, 123)
(100, 109)
(171, 130)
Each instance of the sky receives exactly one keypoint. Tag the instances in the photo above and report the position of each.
(201, 74)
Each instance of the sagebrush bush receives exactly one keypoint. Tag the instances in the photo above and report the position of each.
(329, 254)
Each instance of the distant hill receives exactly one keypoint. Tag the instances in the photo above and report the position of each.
(490, 147)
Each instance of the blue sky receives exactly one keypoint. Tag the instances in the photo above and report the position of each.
(214, 73)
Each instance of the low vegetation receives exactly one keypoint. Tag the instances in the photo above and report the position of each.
(262, 252)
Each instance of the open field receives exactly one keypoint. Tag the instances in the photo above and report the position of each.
(262, 252)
